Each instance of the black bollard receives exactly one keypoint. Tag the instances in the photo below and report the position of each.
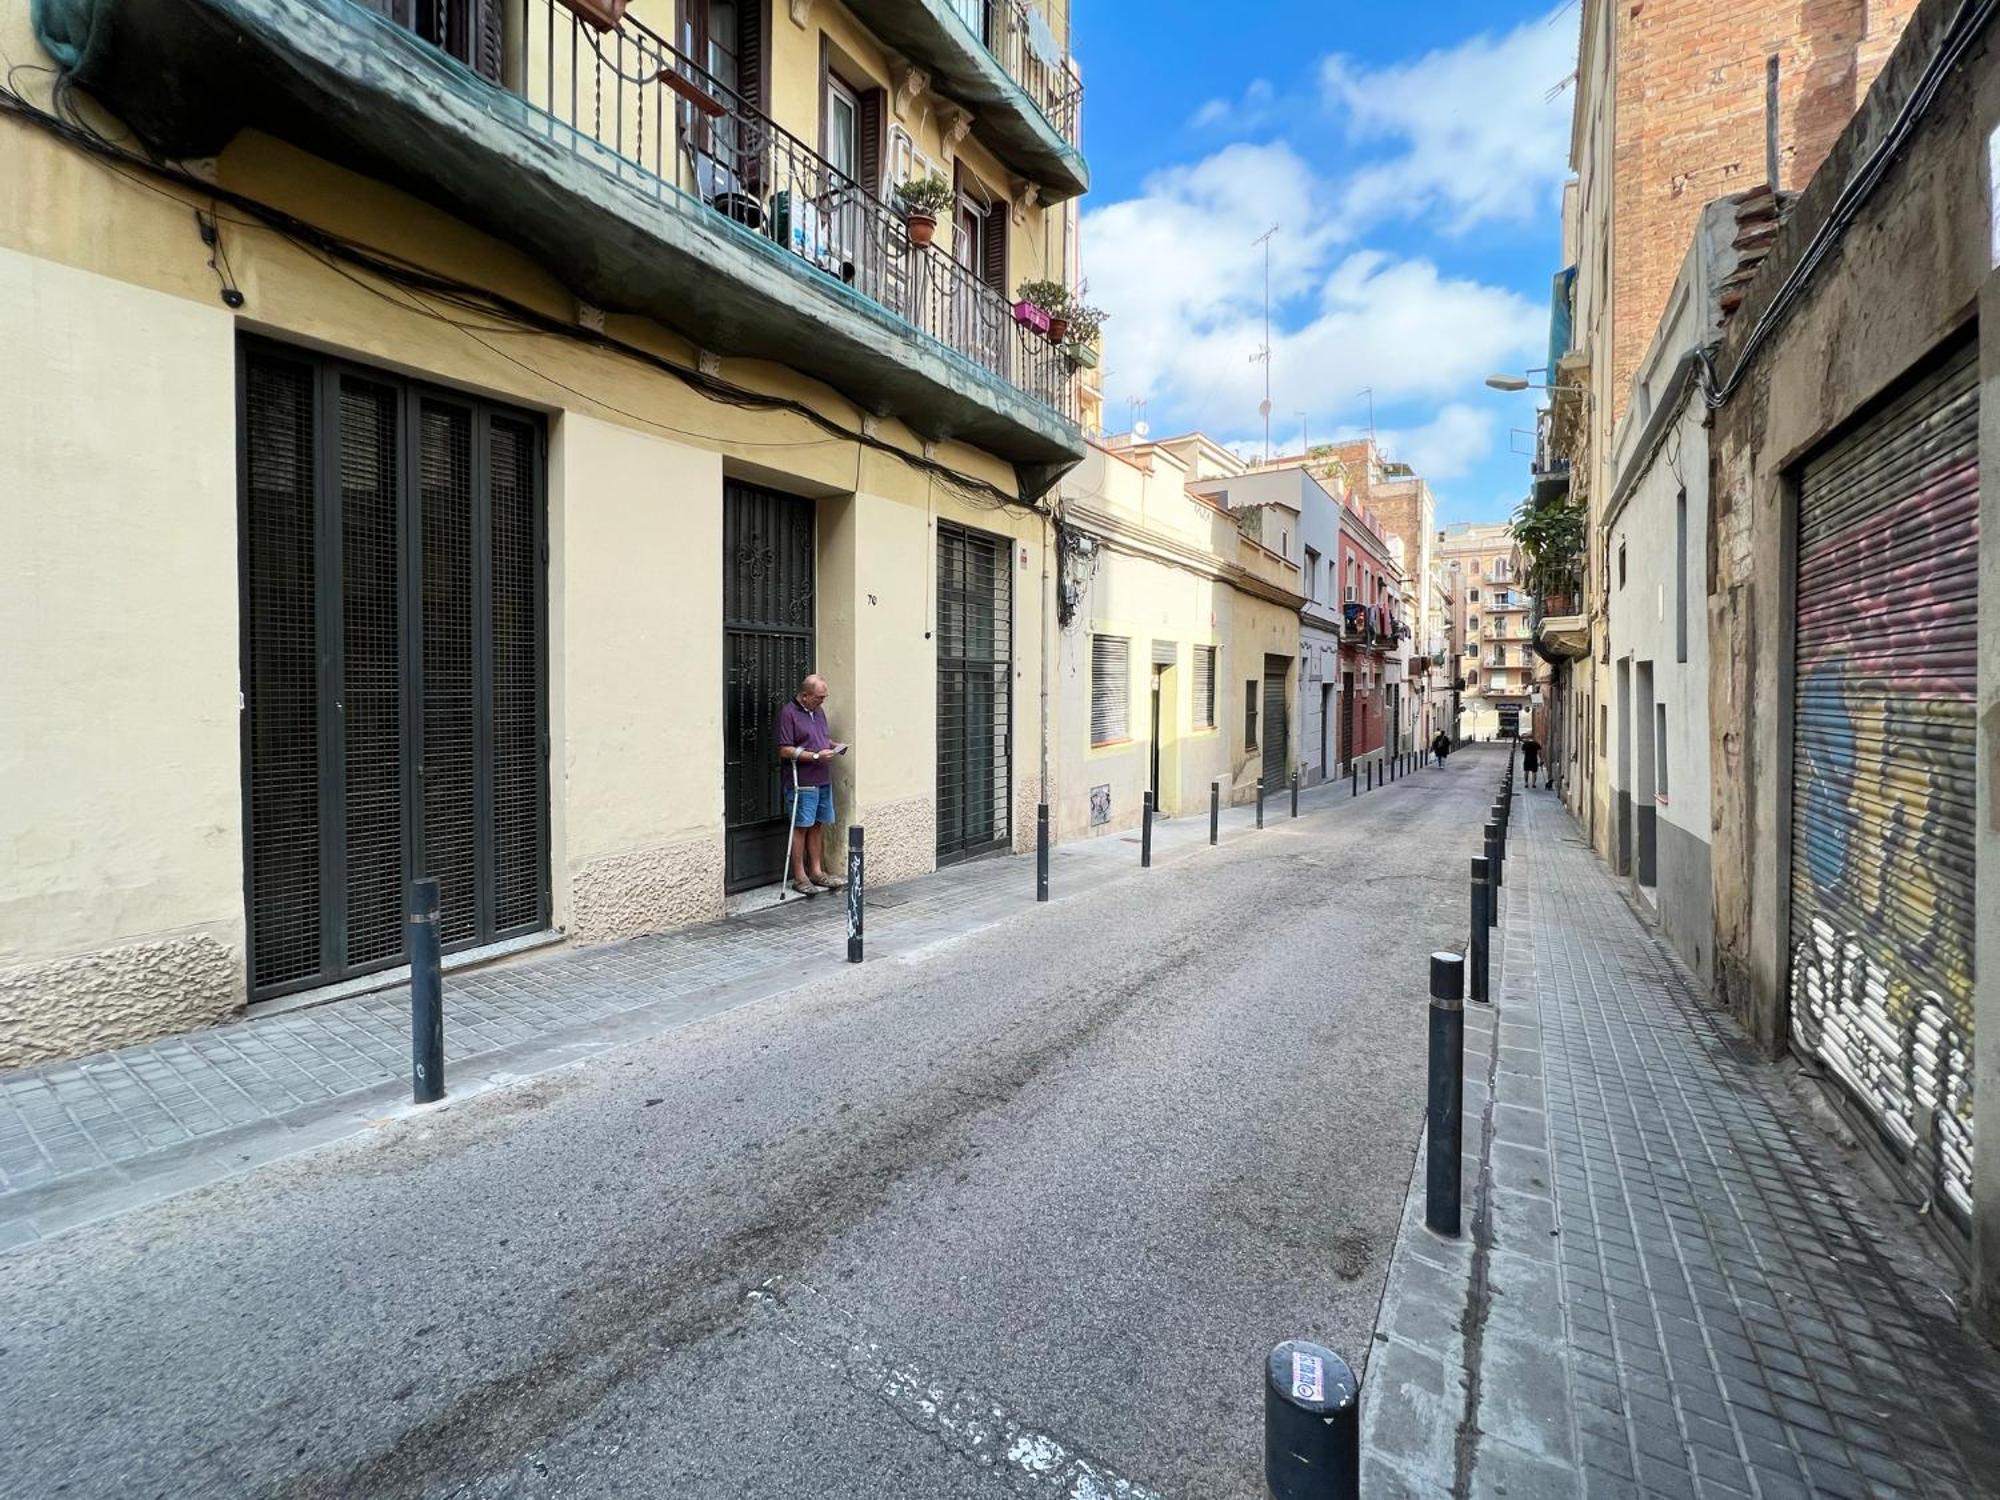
(1260, 802)
(1353, 780)
(1480, 982)
(1041, 851)
(1312, 1424)
(1371, 776)
(854, 885)
(426, 993)
(1493, 872)
(1295, 791)
(1443, 1141)
(1146, 835)
(1214, 810)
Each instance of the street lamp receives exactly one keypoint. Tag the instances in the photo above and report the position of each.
(1508, 382)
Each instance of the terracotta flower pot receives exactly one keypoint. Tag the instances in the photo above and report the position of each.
(1058, 328)
(922, 227)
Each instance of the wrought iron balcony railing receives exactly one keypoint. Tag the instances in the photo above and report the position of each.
(1022, 42)
(642, 110)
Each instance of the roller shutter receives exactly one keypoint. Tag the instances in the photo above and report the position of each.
(1885, 674)
(1110, 689)
(1277, 722)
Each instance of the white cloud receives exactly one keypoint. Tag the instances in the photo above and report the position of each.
(1480, 129)
(1449, 446)
(1251, 112)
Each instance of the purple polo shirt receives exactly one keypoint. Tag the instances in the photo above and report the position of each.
(808, 732)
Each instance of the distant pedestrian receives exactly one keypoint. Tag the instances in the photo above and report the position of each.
(1531, 757)
(1441, 746)
(803, 741)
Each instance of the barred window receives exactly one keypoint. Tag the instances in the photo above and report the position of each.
(1110, 688)
(1204, 687)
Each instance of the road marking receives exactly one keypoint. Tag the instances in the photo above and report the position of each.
(967, 1421)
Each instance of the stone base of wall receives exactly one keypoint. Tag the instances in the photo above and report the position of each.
(902, 839)
(1027, 797)
(647, 890)
(115, 997)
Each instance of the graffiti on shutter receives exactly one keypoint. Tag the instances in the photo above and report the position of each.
(1881, 978)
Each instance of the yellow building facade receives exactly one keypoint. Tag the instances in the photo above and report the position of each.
(1177, 651)
(444, 452)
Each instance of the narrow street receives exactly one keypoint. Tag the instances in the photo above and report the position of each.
(938, 1225)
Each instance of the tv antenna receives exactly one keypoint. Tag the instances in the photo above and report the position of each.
(1264, 354)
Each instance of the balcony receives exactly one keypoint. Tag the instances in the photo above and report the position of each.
(642, 183)
(1001, 60)
(1506, 601)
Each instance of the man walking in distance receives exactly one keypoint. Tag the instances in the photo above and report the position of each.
(1531, 758)
(804, 741)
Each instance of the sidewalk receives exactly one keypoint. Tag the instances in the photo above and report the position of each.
(98, 1136)
(1668, 1285)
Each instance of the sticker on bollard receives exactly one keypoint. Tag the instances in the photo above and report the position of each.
(1312, 1424)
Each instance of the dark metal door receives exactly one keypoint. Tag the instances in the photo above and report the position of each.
(975, 631)
(1325, 725)
(1883, 762)
(767, 649)
(393, 645)
(1277, 722)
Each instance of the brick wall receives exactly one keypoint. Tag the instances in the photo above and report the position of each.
(1691, 125)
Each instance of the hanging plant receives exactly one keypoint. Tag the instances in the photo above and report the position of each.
(1552, 538)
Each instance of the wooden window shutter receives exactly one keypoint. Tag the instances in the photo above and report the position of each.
(486, 58)
(869, 154)
(753, 51)
(994, 272)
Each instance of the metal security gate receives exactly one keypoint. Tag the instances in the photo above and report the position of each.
(1277, 723)
(1346, 720)
(393, 639)
(1882, 770)
(975, 702)
(767, 649)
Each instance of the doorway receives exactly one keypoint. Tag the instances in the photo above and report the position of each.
(1346, 721)
(767, 649)
(975, 736)
(1325, 723)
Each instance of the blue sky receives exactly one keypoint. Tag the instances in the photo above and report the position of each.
(1412, 155)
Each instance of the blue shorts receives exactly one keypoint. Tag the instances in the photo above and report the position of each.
(815, 805)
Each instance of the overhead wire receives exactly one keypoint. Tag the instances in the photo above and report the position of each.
(70, 124)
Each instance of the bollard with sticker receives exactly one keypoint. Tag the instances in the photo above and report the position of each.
(1312, 1424)
(1214, 811)
(1041, 851)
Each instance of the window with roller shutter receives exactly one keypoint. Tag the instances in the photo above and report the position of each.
(1204, 687)
(1110, 689)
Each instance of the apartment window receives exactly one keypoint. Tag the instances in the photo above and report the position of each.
(1350, 581)
(1312, 574)
(1475, 567)
(1603, 727)
(1250, 714)
(1204, 687)
(1472, 679)
(1110, 689)
(1472, 623)
(1680, 579)
(1660, 750)
(1472, 596)
(1621, 565)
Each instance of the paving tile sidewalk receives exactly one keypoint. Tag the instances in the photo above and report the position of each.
(1670, 1285)
(85, 1139)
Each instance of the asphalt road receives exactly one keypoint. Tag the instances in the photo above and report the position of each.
(1019, 1214)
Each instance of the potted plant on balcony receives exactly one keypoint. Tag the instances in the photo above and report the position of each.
(922, 201)
(1085, 322)
(1044, 306)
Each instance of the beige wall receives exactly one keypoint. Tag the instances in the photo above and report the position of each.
(120, 809)
(634, 567)
(1163, 572)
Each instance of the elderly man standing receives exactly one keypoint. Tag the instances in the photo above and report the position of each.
(803, 740)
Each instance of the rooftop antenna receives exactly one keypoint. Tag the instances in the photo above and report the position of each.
(1138, 405)
(1369, 392)
(1305, 435)
(1264, 354)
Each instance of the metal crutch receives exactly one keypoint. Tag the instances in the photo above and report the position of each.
(791, 832)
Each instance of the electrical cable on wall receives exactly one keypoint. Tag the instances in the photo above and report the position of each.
(327, 246)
